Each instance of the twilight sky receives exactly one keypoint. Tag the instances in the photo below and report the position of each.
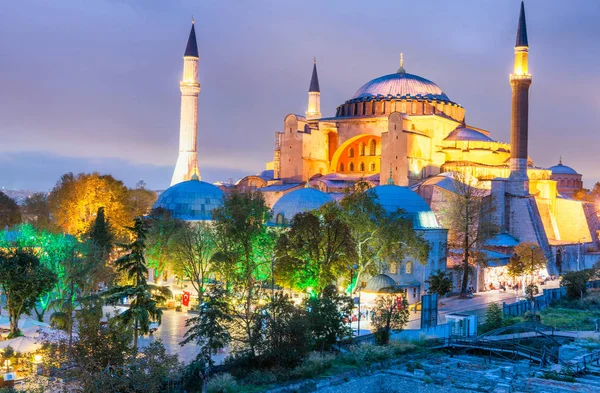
(92, 85)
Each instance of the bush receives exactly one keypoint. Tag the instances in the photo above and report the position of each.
(222, 383)
(365, 354)
(494, 316)
(315, 364)
(576, 282)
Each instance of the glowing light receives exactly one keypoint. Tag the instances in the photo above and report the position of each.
(37, 358)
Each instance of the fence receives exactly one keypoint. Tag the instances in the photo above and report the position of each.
(542, 301)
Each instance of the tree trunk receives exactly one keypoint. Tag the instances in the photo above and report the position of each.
(135, 336)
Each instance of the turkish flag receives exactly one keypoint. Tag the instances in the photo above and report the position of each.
(185, 299)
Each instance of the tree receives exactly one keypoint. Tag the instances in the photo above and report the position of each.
(36, 205)
(315, 251)
(440, 283)
(162, 233)
(389, 314)
(467, 213)
(75, 200)
(493, 317)
(527, 260)
(23, 280)
(144, 298)
(328, 313)
(209, 330)
(379, 235)
(193, 248)
(100, 238)
(140, 201)
(243, 261)
(9, 211)
(576, 282)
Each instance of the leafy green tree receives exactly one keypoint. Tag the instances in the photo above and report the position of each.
(286, 338)
(389, 314)
(576, 282)
(328, 315)
(379, 235)
(23, 279)
(144, 297)
(467, 213)
(140, 201)
(163, 230)
(315, 251)
(209, 330)
(440, 283)
(493, 317)
(243, 260)
(9, 211)
(192, 251)
(36, 205)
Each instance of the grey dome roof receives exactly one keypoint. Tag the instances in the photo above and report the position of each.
(191, 200)
(561, 169)
(392, 198)
(380, 283)
(299, 201)
(401, 84)
(467, 134)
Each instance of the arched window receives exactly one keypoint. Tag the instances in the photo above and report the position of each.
(351, 167)
(279, 219)
(351, 152)
(372, 167)
(361, 149)
(341, 167)
(393, 268)
(372, 147)
(408, 269)
(361, 167)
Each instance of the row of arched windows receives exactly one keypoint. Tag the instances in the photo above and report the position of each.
(362, 149)
(361, 167)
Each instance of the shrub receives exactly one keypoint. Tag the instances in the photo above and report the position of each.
(315, 364)
(222, 383)
(576, 282)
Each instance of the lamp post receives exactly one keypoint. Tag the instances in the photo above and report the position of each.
(353, 268)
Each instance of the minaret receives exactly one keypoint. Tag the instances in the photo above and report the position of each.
(314, 96)
(520, 81)
(187, 162)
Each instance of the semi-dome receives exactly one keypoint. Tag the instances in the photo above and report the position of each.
(561, 169)
(380, 283)
(392, 198)
(191, 200)
(468, 134)
(298, 201)
(401, 84)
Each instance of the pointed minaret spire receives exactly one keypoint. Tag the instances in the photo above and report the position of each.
(560, 160)
(390, 180)
(314, 95)
(522, 30)
(191, 50)
(314, 80)
(186, 167)
(401, 70)
(520, 80)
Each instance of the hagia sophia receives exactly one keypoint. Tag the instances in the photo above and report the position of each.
(411, 142)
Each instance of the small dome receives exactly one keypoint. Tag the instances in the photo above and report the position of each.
(298, 201)
(561, 169)
(191, 200)
(401, 84)
(380, 283)
(392, 198)
(468, 134)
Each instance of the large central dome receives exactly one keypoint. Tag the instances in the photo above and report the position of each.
(401, 84)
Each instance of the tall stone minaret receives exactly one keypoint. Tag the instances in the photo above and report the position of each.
(520, 81)
(314, 96)
(187, 161)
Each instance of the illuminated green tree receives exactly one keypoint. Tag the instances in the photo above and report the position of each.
(162, 232)
(379, 235)
(23, 279)
(9, 211)
(316, 250)
(193, 248)
(328, 313)
(144, 298)
(243, 261)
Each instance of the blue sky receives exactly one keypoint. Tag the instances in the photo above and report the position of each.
(93, 85)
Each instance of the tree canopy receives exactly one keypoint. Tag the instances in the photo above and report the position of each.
(9, 211)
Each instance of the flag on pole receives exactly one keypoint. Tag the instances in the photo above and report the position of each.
(185, 299)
